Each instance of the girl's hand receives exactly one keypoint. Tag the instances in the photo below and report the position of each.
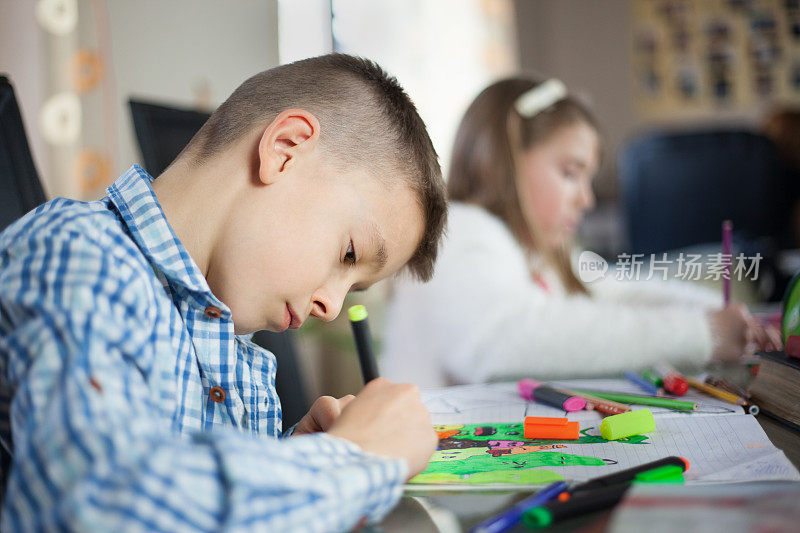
(763, 338)
(737, 333)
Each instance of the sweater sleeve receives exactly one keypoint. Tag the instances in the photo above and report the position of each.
(484, 319)
(654, 292)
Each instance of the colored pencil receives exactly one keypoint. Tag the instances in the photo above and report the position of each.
(669, 403)
(602, 405)
(723, 395)
(726, 385)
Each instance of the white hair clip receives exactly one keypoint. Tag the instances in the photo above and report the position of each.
(540, 97)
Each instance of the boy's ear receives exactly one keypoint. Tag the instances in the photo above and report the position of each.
(292, 133)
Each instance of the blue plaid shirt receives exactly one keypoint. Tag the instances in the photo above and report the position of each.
(128, 404)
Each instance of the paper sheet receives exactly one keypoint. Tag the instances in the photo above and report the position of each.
(722, 443)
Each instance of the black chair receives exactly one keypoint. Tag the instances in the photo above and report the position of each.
(162, 132)
(20, 188)
(288, 381)
(677, 189)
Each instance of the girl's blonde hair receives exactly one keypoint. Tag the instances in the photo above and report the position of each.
(490, 140)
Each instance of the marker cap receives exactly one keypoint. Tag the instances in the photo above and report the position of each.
(627, 424)
(526, 386)
(676, 385)
(537, 517)
(662, 474)
(357, 312)
(652, 377)
(574, 403)
(544, 427)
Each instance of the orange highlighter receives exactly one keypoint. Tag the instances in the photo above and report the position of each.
(545, 427)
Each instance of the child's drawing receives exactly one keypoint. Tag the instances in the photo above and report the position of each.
(499, 453)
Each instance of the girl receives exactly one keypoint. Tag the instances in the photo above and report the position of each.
(504, 301)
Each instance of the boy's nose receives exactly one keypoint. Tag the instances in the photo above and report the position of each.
(326, 306)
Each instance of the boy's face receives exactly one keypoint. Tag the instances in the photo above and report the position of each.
(305, 235)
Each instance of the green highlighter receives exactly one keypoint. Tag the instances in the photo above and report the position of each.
(626, 424)
(600, 496)
(663, 474)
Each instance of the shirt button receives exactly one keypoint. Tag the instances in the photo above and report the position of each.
(213, 312)
(217, 394)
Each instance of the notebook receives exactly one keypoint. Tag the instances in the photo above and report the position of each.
(481, 443)
(776, 387)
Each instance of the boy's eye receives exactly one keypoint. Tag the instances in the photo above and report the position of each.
(350, 256)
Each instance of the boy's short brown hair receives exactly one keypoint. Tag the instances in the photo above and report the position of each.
(366, 119)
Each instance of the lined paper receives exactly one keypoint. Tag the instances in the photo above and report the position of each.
(721, 442)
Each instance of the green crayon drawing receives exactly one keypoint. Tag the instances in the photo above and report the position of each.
(463, 465)
(499, 453)
(515, 432)
(593, 439)
(532, 476)
(481, 431)
(474, 460)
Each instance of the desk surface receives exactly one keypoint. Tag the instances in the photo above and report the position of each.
(459, 512)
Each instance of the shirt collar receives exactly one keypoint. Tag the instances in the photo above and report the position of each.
(141, 213)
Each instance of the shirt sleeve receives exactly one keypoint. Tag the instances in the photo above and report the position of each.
(91, 448)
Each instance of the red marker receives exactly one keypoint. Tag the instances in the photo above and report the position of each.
(674, 383)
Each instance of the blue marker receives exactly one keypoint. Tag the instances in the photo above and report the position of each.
(636, 379)
(511, 517)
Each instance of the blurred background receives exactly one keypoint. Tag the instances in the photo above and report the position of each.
(697, 99)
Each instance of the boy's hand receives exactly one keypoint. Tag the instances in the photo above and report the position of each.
(389, 419)
(322, 414)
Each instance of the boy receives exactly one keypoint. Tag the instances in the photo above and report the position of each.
(130, 398)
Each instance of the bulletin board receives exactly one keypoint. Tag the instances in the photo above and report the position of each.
(692, 56)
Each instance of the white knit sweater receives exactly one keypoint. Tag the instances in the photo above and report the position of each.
(482, 317)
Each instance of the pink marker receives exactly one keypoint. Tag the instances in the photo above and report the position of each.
(530, 389)
(727, 248)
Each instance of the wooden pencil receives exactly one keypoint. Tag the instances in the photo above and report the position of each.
(723, 395)
(604, 406)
